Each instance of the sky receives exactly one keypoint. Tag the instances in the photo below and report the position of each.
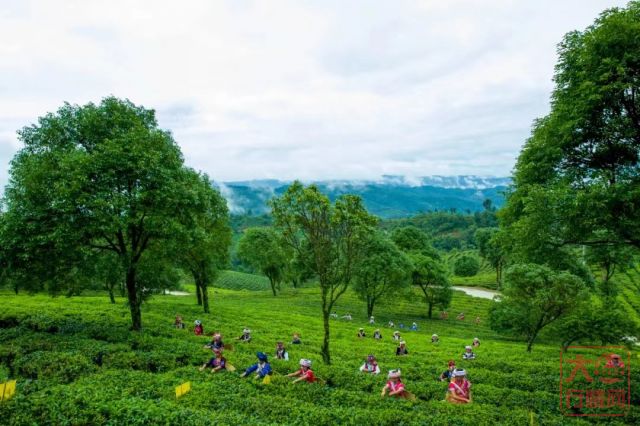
(299, 89)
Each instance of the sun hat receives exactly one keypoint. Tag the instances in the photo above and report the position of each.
(261, 356)
(197, 322)
(402, 342)
(434, 335)
(396, 332)
(305, 362)
(467, 347)
(394, 374)
(246, 330)
(361, 329)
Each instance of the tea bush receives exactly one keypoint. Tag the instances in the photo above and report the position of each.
(76, 362)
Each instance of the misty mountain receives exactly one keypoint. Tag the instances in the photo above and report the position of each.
(389, 197)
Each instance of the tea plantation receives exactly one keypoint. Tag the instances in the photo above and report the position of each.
(76, 363)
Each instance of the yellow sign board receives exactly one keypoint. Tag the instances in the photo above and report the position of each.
(182, 389)
(7, 390)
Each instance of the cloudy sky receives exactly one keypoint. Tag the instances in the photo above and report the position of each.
(299, 89)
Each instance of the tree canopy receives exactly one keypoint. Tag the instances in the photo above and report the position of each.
(533, 297)
(576, 181)
(262, 250)
(381, 271)
(330, 234)
(99, 177)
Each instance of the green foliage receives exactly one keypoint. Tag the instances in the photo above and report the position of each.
(109, 375)
(466, 266)
(576, 180)
(596, 319)
(430, 276)
(381, 271)
(533, 297)
(262, 249)
(327, 237)
(233, 280)
(446, 231)
(490, 243)
(202, 248)
(94, 178)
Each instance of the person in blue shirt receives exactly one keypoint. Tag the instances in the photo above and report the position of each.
(262, 368)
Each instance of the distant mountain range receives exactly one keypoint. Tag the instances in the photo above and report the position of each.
(388, 197)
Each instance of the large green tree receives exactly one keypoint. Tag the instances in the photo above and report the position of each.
(100, 177)
(329, 234)
(577, 180)
(382, 271)
(262, 250)
(430, 275)
(203, 246)
(490, 247)
(533, 297)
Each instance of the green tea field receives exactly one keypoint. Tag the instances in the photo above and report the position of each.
(76, 362)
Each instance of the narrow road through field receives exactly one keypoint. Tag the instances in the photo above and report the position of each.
(477, 292)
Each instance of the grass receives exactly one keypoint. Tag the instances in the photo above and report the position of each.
(53, 345)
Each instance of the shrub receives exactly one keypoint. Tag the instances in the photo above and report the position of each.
(466, 266)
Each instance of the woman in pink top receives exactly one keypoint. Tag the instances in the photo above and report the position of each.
(459, 389)
(394, 386)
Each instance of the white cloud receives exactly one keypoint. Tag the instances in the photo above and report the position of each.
(286, 89)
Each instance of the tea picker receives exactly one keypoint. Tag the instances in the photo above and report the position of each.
(304, 373)
(261, 369)
(370, 365)
(217, 363)
(459, 391)
(395, 387)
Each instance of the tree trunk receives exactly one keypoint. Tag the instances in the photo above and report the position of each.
(205, 297)
(134, 300)
(430, 310)
(370, 304)
(111, 296)
(198, 290)
(535, 332)
(326, 356)
(273, 285)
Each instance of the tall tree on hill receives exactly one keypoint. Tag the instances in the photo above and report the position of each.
(430, 276)
(262, 250)
(534, 297)
(203, 246)
(412, 239)
(577, 179)
(381, 270)
(488, 241)
(329, 234)
(98, 177)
